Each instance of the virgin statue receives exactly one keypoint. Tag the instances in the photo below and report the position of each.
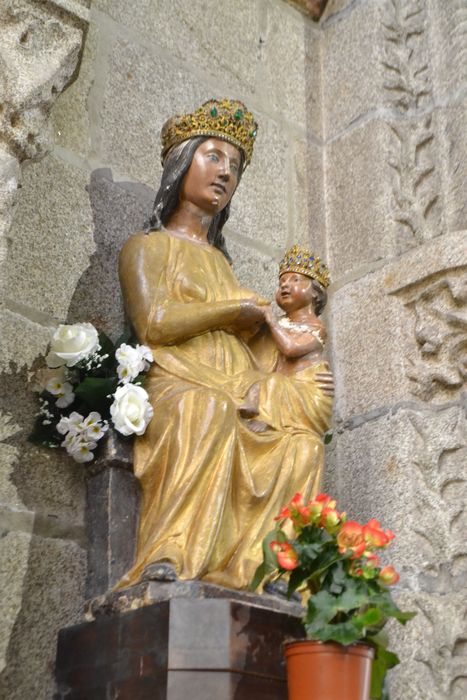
(211, 485)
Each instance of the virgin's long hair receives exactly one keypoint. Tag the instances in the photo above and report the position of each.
(176, 165)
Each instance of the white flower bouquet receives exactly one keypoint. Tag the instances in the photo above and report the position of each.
(91, 383)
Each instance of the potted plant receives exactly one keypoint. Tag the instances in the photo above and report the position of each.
(334, 564)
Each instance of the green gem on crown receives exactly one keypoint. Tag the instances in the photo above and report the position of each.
(213, 112)
(238, 114)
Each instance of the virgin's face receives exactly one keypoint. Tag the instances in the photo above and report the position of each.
(212, 176)
(295, 291)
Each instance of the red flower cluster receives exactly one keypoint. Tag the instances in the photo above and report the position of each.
(320, 512)
(350, 536)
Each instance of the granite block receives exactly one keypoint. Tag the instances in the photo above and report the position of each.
(14, 552)
(351, 48)
(405, 468)
(452, 126)
(287, 51)
(259, 208)
(358, 195)
(254, 270)
(119, 209)
(400, 331)
(52, 590)
(141, 91)
(51, 237)
(195, 35)
(447, 26)
(308, 225)
(70, 117)
(431, 647)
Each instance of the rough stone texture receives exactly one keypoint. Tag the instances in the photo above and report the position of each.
(386, 321)
(260, 208)
(357, 198)
(118, 210)
(249, 265)
(51, 596)
(51, 237)
(142, 89)
(346, 97)
(452, 126)
(178, 29)
(71, 118)
(313, 75)
(306, 208)
(14, 552)
(21, 340)
(448, 29)
(405, 468)
(434, 656)
(283, 53)
(38, 57)
(10, 177)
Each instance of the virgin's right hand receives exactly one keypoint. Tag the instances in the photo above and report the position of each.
(251, 315)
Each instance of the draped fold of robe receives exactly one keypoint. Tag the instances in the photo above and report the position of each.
(210, 486)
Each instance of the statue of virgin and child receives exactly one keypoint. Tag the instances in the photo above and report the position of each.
(241, 398)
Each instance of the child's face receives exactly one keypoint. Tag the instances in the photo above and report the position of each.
(295, 292)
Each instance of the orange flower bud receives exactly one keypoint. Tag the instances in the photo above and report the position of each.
(287, 557)
(389, 576)
(330, 518)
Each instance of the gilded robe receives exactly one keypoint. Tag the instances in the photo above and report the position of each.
(210, 486)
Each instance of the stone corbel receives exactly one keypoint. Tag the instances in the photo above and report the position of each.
(40, 45)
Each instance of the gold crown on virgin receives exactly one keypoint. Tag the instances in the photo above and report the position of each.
(228, 120)
(302, 260)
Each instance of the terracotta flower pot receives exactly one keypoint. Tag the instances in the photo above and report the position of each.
(328, 671)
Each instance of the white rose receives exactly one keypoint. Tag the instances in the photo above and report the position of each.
(131, 410)
(71, 344)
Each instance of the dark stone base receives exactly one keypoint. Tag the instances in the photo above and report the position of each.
(158, 591)
(200, 649)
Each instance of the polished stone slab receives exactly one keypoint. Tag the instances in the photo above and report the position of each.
(202, 648)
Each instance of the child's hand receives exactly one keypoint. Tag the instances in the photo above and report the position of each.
(269, 315)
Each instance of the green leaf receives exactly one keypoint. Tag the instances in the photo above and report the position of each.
(342, 632)
(369, 618)
(94, 391)
(297, 577)
(384, 660)
(107, 347)
(269, 563)
(126, 337)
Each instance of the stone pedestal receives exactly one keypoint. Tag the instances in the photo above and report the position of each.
(175, 649)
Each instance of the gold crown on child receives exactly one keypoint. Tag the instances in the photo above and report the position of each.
(228, 120)
(302, 260)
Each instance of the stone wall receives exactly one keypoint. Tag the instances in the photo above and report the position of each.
(361, 149)
(83, 194)
(395, 153)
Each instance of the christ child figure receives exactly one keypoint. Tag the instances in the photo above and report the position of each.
(300, 337)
